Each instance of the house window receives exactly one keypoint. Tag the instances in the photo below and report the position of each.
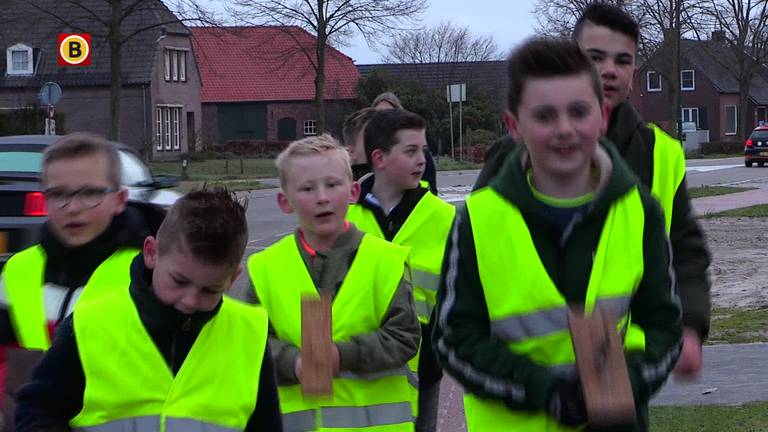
(310, 127)
(687, 80)
(19, 60)
(175, 64)
(691, 115)
(168, 133)
(760, 116)
(653, 81)
(731, 118)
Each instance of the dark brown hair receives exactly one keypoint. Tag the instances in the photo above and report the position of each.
(382, 127)
(81, 144)
(387, 97)
(608, 15)
(208, 224)
(546, 58)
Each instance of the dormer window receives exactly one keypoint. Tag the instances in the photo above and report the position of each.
(19, 60)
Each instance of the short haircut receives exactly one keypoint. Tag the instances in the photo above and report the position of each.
(608, 15)
(208, 224)
(355, 123)
(313, 145)
(81, 144)
(383, 126)
(546, 58)
(389, 98)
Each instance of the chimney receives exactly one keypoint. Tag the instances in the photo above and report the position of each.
(718, 36)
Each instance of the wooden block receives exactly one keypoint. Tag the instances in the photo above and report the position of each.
(316, 347)
(602, 368)
(20, 364)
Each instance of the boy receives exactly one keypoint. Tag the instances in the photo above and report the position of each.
(610, 37)
(168, 351)
(375, 329)
(563, 222)
(392, 205)
(89, 240)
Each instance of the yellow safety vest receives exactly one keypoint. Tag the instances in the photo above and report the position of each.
(425, 232)
(129, 387)
(526, 309)
(32, 303)
(668, 170)
(375, 402)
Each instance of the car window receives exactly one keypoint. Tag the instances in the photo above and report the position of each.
(759, 135)
(21, 161)
(135, 173)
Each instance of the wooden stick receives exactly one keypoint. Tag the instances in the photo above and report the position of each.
(316, 346)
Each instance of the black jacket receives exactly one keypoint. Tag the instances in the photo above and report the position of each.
(691, 258)
(55, 394)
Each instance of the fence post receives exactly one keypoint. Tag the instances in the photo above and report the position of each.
(241, 167)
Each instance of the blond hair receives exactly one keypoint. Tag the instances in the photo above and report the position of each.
(313, 145)
(80, 144)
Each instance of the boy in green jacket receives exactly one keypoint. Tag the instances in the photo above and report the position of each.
(610, 37)
(563, 223)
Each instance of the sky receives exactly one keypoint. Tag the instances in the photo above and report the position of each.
(508, 21)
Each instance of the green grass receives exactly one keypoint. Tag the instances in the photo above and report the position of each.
(738, 326)
(219, 169)
(709, 418)
(756, 211)
(705, 191)
(448, 164)
(231, 185)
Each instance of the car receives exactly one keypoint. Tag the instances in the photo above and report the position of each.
(22, 205)
(756, 147)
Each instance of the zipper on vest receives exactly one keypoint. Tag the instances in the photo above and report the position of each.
(65, 304)
(185, 326)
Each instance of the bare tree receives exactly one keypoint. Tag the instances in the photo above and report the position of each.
(118, 22)
(558, 17)
(742, 24)
(330, 21)
(443, 43)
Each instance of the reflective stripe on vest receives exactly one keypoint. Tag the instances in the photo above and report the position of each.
(361, 303)
(668, 170)
(152, 423)
(526, 309)
(129, 385)
(32, 304)
(425, 232)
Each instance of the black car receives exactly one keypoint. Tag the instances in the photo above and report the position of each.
(22, 206)
(756, 147)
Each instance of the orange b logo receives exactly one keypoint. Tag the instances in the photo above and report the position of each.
(74, 49)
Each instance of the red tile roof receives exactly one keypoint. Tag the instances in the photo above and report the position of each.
(263, 63)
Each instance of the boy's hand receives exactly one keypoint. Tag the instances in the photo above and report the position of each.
(689, 364)
(566, 403)
(297, 367)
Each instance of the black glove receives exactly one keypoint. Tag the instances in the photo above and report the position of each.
(566, 403)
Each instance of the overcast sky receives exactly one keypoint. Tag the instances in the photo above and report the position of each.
(508, 21)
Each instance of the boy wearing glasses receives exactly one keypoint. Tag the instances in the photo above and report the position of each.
(88, 240)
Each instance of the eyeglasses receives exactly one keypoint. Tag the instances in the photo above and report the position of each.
(89, 197)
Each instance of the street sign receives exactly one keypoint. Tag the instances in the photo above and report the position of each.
(50, 94)
(457, 92)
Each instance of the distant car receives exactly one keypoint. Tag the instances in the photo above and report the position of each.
(756, 147)
(22, 206)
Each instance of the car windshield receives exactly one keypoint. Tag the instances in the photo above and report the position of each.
(761, 135)
(20, 161)
(135, 173)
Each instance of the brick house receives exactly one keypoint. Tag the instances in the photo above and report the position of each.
(709, 91)
(258, 85)
(160, 101)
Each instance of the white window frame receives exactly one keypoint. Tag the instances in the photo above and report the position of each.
(175, 127)
(735, 120)
(183, 66)
(691, 111)
(648, 82)
(159, 131)
(174, 65)
(167, 131)
(167, 59)
(310, 127)
(19, 47)
(693, 80)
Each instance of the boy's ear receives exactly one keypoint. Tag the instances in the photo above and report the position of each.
(150, 252)
(237, 272)
(377, 158)
(122, 198)
(510, 121)
(282, 202)
(354, 192)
